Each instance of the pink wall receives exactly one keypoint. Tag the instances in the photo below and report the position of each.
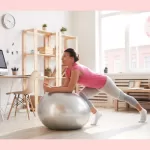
(111, 55)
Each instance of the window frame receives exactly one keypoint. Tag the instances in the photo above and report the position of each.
(146, 61)
(129, 69)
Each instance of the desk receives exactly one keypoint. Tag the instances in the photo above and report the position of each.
(10, 77)
(15, 76)
(25, 77)
(22, 77)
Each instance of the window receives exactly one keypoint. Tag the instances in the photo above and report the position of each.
(133, 61)
(117, 66)
(123, 34)
(106, 61)
(113, 41)
(147, 61)
(139, 41)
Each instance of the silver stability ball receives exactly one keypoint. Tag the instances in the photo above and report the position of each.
(63, 111)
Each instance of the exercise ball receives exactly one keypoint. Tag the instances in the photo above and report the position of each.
(63, 111)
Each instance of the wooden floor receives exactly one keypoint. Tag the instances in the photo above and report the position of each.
(112, 125)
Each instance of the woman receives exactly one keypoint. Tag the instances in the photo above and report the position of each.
(93, 82)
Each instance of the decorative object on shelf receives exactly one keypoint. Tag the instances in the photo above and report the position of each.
(134, 84)
(44, 27)
(131, 84)
(8, 21)
(63, 29)
(106, 70)
(7, 50)
(14, 70)
(45, 50)
(12, 46)
(48, 72)
(32, 51)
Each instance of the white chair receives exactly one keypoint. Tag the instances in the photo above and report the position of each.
(26, 95)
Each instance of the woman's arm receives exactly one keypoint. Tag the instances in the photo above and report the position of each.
(66, 82)
(71, 85)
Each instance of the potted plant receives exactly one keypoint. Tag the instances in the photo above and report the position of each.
(63, 29)
(44, 26)
(14, 70)
(48, 72)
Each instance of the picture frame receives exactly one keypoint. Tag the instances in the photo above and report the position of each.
(131, 84)
(137, 84)
(134, 84)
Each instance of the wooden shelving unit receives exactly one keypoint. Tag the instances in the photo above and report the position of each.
(47, 52)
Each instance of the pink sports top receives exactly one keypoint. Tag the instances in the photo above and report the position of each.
(89, 78)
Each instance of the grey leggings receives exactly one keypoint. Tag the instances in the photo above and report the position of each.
(109, 88)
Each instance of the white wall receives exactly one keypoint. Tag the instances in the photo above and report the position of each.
(25, 20)
(29, 19)
(84, 23)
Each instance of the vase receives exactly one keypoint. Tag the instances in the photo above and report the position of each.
(62, 32)
(14, 72)
(44, 28)
(48, 74)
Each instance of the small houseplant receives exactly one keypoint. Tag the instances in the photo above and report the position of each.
(14, 70)
(44, 26)
(63, 29)
(48, 72)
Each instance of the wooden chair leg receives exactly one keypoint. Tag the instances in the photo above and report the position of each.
(116, 104)
(16, 105)
(27, 106)
(11, 107)
(31, 105)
